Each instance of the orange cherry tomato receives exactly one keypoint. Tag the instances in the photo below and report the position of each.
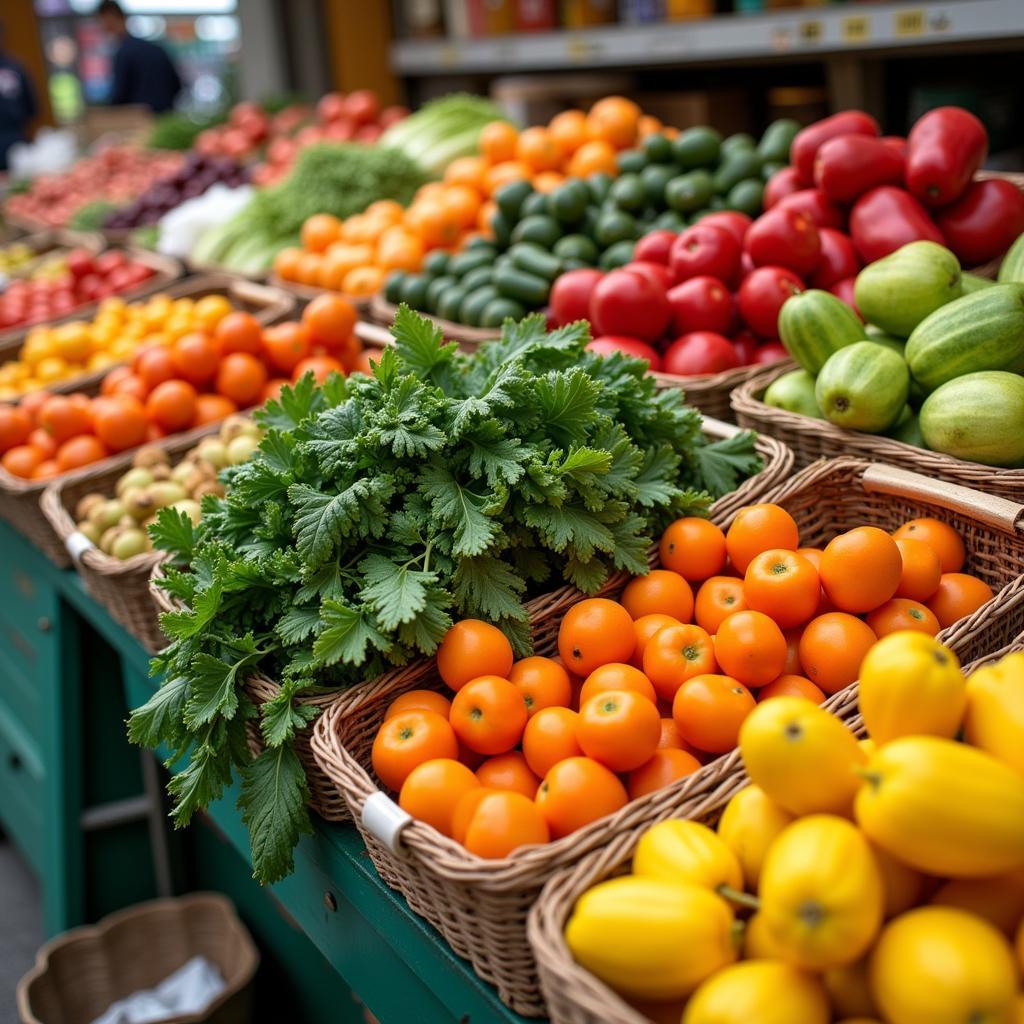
(750, 647)
(660, 592)
(861, 569)
(717, 599)
(119, 421)
(594, 632)
(675, 654)
(320, 366)
(155, 364)
(407, 740)
(172, 405)
(791, 685)
(63, 418)
(758, 528)
(473, 648)
(508, 772)
(330, 320)
(664, 767)
(196, 358)
(239, 331)
(432, 790)
(241, 377)
(550, 737)
(958, 596)
(284, 346)
(616, 676)
(577, 791)
(901, 613)
(80, 451)
(497, 823)
(940, 537)
(488, 715)
(15, 426)
(832, 647)
(694, 548)
(419, 700)
(22, 460)
(619, 729)
(213, 409)
(542, 682)
(922, 570)
(645, 627)
(708, 711)
(783, 585)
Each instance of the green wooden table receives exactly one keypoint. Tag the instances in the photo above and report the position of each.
(68, 675)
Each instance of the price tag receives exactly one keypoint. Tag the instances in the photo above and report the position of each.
(856, 30)
(579, 51)
(449, 57)
(909, 23)
(811, 31)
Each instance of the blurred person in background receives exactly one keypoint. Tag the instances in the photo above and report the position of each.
(143, 72)
(17, 101)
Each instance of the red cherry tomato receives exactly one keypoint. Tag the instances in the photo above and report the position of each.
(784, 238)
(701, 304)
(770, 352)
(655, 246)
(761, 296)
(657, 273)
(570, 295)
(813, 203)
(706, 249)
(850, 165)
(781, 184)
(838, 259)
(609, 343)
(732, 220)
(844, 290)
(810, 139)
(627, 303)
(887, 218)
(984, 221)
(944, 150)
(700, 352)
(746, 345)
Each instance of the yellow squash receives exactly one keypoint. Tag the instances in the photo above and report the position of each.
(758, 942)
(901, 884)
(748, 826)
(998, 899)
(911, 685)
(759, 992)
(821, 892)
(803, 757)
(1018, 946)
(935, 965)
(686, 851)
(649, 938)
(943, 807)
(849, 990)
(995, 710)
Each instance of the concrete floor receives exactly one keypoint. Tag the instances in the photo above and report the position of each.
(21, 926)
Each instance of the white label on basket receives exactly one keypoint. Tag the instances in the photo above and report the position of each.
(384, 820)
(76, 543)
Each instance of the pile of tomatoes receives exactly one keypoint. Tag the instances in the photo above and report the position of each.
(176, 385)
(648, 688)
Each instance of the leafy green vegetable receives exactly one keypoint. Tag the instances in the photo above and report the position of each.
(175, 130)
(91, 216)
(379, 509)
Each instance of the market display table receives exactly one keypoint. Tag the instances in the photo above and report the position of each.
(394, 961)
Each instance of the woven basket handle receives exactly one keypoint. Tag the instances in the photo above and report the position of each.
(374, 332)
(718, 429)
(997, 512)
(385, 820)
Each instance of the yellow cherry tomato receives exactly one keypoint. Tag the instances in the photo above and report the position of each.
(748, 826)
(995, 710)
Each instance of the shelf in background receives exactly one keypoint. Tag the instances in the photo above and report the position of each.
(805, 33)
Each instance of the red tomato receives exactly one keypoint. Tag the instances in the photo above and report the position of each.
(745, 344)
(733, 221)
(106, 263)
(887, 218)
(813, 203)
(781, 184)
(761, 296)
(701, 304)
(770, 352)
(362, 106)
(844, 290)
(655, 246)
(984, 221)
(896, 142)
(657, 273)
(944, 150)
(630, 304)
(570, 295)
(838, 259)
(784, 238)
(79, 263)
(609, 343)
(850, 165)
(330, 106)
(700, 352)
(810, 139)
(706, 249)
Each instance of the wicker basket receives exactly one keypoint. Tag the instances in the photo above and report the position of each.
(467, 338)
(481, 906)
(19, 499)
(812, 439)
(79, 974)
(710, 392)
(572, 993)
(43, 244)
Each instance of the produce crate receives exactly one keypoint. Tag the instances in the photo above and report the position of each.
(572, 993)
(812, 439)
(481, 906)
(308, 292)
(19, 499)
(79, 974)
(467, 338)
(43, 243)
(710, 392)
(165, 270)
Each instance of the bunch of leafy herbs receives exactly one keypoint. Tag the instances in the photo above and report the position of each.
(378, 509)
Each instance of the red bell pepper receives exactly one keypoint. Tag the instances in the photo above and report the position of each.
(887, 218)
(850, 165)
(896, 142)
(983, 223)
(944, 149)
(810, 139)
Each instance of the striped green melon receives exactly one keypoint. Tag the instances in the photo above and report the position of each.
(814, 324)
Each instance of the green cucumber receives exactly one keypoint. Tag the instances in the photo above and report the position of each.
(510, 198)
(463, 262)
(689, 192)
(863, 386)
(655, 178)
(393, 286)
(631, 161)
(615, 226)
(480, 243)
(737, 142)
(501, 228)
(535, 203)
(735, 166)
(568, 202)
(616, 255)
(576, 247)
(978, 417)
(535, 260)
(526, 288)
(414, 290)
(628, 193)
(473, 305)
(599, 185)
(815, 324)
(657, 148)
(777, 139)
(746, 196)
(436, 263)
(1011, 270)
(500, 309)
(696, 147)
(538, 228)
(907, 429)
(981, 331)
(450, 302)
(477, 277)
(435, 290)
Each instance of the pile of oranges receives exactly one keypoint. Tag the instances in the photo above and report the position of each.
(355, 255)
(177, 384)
(648, 688)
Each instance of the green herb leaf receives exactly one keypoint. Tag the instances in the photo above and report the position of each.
(345, 634)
